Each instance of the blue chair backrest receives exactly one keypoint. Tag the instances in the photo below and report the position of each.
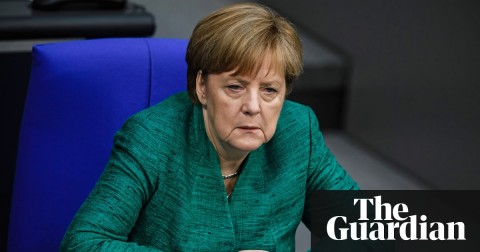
(80, 93)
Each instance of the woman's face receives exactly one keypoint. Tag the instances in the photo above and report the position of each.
(241, 112)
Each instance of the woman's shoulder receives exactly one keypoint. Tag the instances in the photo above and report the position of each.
(171, 106)
(165, 118)
(294, 126)
(296, 115)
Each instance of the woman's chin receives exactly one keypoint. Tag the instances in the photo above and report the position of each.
(247, 145)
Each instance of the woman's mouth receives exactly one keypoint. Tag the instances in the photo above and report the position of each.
(249, 128)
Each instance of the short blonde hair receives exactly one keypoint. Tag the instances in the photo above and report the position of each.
(238, 37)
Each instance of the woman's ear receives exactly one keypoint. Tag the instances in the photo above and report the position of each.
(200, 87)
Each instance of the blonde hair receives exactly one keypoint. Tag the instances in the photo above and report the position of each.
(238, 37)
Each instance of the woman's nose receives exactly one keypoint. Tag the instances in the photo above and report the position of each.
(251, 103)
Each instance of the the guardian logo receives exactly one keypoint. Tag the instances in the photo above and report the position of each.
(391, 223)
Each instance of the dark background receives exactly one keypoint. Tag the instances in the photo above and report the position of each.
(414, 89)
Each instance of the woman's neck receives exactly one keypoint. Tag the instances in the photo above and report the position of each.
(229, 166)
(230, 158)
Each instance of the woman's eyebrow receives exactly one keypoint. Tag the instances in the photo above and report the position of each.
(237, 78)
(243, 80)
(270, 83)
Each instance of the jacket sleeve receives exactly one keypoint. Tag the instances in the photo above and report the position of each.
(324, 173)
(106, 218)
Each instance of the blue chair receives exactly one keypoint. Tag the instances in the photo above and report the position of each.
(80, 93)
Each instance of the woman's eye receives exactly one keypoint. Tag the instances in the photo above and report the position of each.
(235, 87)
(270, 90)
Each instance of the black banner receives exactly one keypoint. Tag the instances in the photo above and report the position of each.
(429, 220)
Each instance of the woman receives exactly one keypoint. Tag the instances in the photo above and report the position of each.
(226, 167)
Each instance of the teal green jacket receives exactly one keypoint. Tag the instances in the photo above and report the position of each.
(162, 188)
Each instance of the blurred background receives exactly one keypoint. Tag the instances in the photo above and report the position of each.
(395, 84)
